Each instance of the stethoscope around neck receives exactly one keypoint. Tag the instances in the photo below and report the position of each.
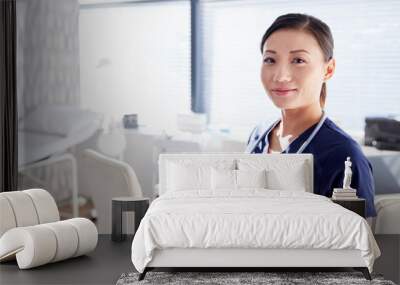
(305, 143)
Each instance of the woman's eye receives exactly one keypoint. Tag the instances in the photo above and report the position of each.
(298, 60)
(269, 60)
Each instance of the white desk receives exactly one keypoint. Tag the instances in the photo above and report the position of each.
(141, 143)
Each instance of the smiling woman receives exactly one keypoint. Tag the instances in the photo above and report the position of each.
(298, 72)
(297, 53)
(294, 74)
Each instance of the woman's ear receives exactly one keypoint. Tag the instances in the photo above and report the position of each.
(329, 69)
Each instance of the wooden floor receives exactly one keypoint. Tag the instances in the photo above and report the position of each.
(111, 259)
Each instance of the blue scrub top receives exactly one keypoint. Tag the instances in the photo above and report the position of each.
(330, 148)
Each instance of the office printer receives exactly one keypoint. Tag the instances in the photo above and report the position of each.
(382, 132)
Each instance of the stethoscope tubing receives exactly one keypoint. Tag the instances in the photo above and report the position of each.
(304, 145)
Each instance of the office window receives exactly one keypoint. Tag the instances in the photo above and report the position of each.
(366, 49)
(135, 58)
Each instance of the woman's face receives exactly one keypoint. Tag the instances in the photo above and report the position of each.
(294, 69)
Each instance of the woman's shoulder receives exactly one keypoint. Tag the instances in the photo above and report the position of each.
(338, 135)
(260, 129)
(340, 143)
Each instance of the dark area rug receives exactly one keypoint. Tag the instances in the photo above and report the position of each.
(228, 278)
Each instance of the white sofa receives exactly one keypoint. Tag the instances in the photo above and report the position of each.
(31, 231)
(388, 213)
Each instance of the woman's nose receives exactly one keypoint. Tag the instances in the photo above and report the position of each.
(282, 74)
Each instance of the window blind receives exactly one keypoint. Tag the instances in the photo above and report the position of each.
(366, 35)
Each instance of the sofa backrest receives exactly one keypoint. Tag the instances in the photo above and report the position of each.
(26, 208)
(283, 172)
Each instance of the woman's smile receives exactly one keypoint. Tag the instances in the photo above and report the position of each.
(283, 91)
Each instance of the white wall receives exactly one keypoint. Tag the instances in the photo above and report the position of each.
(135, 58)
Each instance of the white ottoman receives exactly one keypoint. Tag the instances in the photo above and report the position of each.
(31, 232)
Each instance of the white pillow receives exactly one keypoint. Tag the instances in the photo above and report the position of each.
(62, 120)
(189, 174)
(223, 179)
(279, 180)
(190, 177)
(251, 178)
(284, 172)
